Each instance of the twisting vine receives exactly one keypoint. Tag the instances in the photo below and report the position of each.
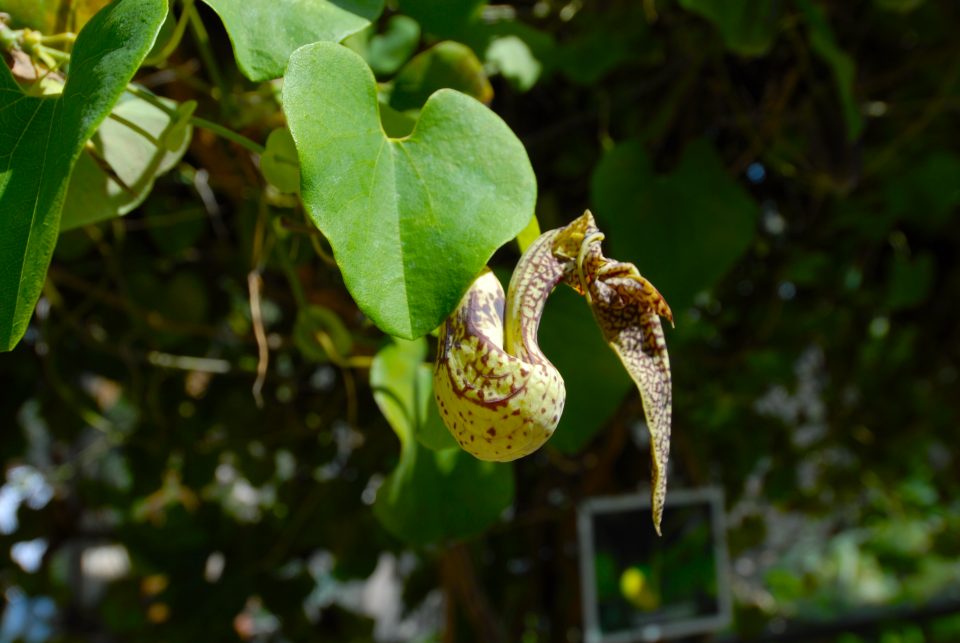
(498, 393)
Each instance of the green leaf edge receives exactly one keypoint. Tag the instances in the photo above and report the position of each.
(14, 320)
(414, 332)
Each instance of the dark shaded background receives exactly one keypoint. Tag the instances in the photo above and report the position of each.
(785, 172)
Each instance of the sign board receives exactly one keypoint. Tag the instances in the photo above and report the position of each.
(641, 587)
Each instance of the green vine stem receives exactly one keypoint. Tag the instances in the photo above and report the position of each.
(175, 38)
(203, 45)
(216, 128)
(32, 42)
(134, 127)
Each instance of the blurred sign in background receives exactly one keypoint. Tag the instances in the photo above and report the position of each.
(637, 586)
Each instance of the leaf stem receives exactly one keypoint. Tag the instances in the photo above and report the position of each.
(135, 128)
(230, 135)
(55, 54)
(203, 44)
(284, 257)
(216, 128)
(154, 100)
(151, 98)
(66, 37)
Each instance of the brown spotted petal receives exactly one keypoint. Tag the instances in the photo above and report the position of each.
(628, 310)
(498, 393)
(499, 396)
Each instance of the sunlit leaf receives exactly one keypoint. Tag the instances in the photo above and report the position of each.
(35, 165)
(117, 174)
(520, 53)
(413, 220)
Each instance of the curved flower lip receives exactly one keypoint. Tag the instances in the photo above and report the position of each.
(625, 305)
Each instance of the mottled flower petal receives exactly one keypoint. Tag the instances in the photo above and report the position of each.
(500, 396)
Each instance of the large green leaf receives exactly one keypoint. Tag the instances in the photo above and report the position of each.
(432, 495)
(683, 230)
(748, 27)
(265, 32)
(41, 138)
(134, 161)
(411, 220)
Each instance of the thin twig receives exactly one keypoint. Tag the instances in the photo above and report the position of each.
(254, 284)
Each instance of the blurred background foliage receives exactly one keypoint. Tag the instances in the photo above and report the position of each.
(786, 172)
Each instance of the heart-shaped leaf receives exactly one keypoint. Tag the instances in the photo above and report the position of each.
(411, 220)
(41, 138)
(684, 230)
(432, 495)
(265, 32)
(118, 173)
